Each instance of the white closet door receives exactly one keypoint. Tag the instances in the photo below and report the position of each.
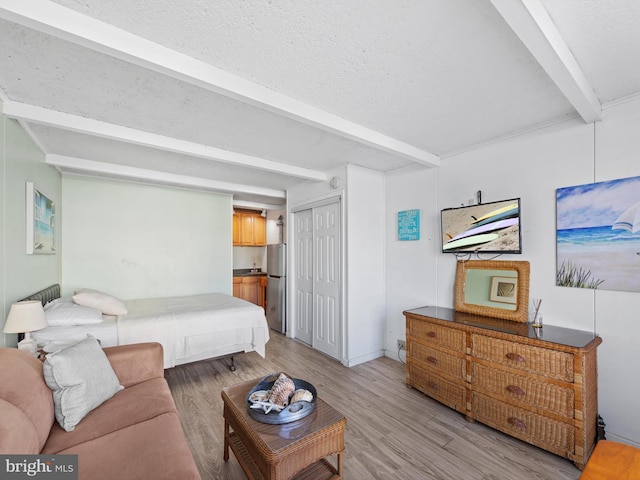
(326, 279)
(303, 222)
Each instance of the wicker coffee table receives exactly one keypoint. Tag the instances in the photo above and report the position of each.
(295, 450)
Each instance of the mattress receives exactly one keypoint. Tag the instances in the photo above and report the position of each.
(195, 327)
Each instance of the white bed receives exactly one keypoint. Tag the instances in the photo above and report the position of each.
(190, 328)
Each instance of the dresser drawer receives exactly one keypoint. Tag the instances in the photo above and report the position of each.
(540, 395)
(542, 361)
(432, 333)
(438, 360)
(552, 435)
(449, 393)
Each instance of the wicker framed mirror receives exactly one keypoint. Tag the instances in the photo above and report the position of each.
(494, 288)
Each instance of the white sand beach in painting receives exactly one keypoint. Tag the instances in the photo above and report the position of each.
(618, 265)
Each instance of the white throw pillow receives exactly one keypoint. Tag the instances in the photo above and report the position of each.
(81, 379)
(63, 312)
(104, 302)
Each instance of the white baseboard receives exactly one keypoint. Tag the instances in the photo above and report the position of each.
(616, 438)
(393, 355)
(352, 362)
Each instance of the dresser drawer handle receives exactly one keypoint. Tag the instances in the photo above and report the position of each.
(517, 423)
(433, 385)
(514, 357)
(515, 390)
(433, 360)
(432, 335)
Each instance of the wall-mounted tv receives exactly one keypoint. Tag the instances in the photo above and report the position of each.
(486, 228)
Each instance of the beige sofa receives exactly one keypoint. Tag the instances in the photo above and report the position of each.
(136, 434)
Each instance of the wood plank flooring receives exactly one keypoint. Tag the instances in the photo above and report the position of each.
(393, 432)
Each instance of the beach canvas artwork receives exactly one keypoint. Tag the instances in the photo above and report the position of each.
(598, 235)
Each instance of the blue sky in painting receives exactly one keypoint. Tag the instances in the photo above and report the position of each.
(595, 204)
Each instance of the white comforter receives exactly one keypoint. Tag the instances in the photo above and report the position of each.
(195, 327)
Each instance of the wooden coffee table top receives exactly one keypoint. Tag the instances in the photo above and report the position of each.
(275, 438)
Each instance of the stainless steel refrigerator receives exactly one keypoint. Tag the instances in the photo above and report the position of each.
(276, 286)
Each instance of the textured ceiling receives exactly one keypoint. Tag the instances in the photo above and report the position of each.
(426, 77)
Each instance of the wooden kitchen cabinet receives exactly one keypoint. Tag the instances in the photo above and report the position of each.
(236, 228)
(249, 229)
(237, 287)
(250, 288)
(538, 385)
(259, 230)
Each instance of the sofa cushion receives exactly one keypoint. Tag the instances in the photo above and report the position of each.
(81, 378)
(137, 362)
(132, 405)
(155, 448)
(22, 385)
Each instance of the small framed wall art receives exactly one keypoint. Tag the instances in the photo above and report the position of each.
(41, 226)
(409, 225)
(504, 289)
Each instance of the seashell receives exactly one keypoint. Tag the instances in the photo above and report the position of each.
(302, 395)
(259, 396)
(281, 389)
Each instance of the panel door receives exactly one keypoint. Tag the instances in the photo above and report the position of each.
(246, 229)
(236, 229)
(303, 223)
(326, 279)
(259, 230)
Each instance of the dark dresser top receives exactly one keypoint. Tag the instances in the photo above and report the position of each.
(549, 333)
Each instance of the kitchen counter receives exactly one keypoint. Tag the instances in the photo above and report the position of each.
(246, 272)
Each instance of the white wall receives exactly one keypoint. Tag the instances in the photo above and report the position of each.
(362, 192)
(411, 266)
(616, 313)
(365, 264)
(21, 161)
(273, 231)
(532, 166)
(140, 241)
(248, 257)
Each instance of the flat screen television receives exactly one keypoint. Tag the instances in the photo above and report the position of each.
(485, 228)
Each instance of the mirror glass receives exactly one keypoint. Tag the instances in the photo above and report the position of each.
(495, 288)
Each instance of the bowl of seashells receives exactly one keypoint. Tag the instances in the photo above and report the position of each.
(278, 399)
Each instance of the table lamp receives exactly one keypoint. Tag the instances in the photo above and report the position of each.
(25, 317)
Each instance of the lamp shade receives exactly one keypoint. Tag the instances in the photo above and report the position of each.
(25, 317)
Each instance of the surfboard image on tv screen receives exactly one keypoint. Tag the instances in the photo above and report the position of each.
(485, 228)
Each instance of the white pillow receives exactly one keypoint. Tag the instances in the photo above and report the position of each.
(61, 312)
(102, 301)
(81, 379)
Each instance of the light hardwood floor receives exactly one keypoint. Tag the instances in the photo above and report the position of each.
(393, 432)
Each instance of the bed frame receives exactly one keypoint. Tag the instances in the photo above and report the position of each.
(53, 291)
(46, 295)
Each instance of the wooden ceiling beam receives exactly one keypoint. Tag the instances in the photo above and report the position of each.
(75, 165)
(74, 123)
(67, 24)
(531, 22)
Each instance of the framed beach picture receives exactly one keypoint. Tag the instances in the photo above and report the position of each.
(598, 235)
(41, 215)
(504, 289)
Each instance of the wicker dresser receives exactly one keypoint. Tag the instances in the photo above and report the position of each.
(536, 385)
